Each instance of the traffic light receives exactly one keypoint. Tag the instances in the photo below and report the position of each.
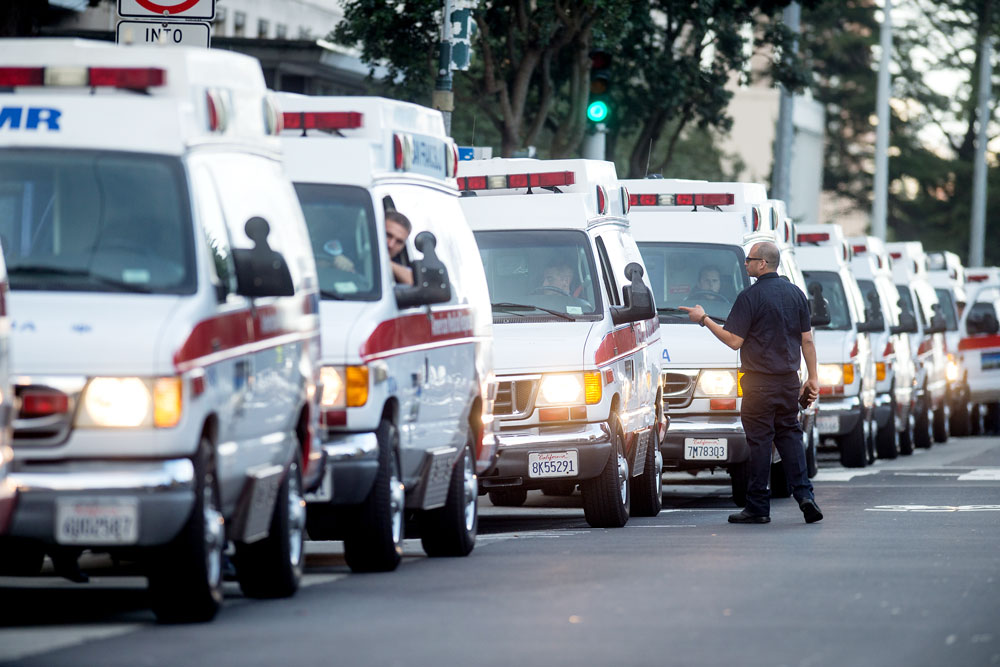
(600, 82)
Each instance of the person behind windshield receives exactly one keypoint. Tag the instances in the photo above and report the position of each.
(557, 278)
(709, 285)
(397, 230)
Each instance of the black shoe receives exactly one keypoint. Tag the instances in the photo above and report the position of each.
(810, 510)
(745, 517)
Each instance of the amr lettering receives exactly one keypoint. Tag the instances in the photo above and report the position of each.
(33, 117)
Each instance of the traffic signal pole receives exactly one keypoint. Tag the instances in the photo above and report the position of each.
(443, 98)
(595, 143)
(977, 234)
(880, 206)
(782, 185)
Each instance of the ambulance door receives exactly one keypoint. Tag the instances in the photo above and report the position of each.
(647, 337)
(252, 186)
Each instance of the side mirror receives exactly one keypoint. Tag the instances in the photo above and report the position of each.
(982, 324)
(873, 324)
(817, 304)
(430, 277)
(937, 325)
(907, 324)
(637, 298)
(261, 271)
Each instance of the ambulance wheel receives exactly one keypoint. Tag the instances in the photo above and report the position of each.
(811, 466)
(647, 488)
(923, 427)
(961, 419)
(559, 489)
(272, 567)
(508, 497)
(374, 540)
(887, 437)
(941, 418)
(607, 498)
(991, 423)
(451, 530)
(185, 580)
(852, 446)
(20, 558)
(906, 436)
(779, 482)
(977, 421)
(738, 478)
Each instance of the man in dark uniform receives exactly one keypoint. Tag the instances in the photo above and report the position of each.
(770, 323)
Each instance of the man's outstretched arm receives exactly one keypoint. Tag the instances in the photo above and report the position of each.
(729, 338)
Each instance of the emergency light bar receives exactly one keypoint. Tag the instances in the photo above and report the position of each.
(133, 78)
(896, 255)
(706, 199)
(859, 249)
(813, 238)
(510, 181)
(976, 277)
(312, 120)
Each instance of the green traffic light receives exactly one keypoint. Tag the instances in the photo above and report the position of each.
(597, 111)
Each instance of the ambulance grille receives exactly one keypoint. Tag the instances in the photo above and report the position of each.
(678, 389)
(514, 398)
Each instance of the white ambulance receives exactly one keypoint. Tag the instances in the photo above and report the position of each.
(946, 275)
(691, 245)
(979, 347)
(8, 490)
(894, 367)
(167, 329)
(407, 370)
(927, 343)
(577, 339)
(843, 349)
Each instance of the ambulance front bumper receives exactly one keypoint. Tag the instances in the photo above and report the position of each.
(838, 416)
(591, 442)
(350, 469)
(703, 428)
(161, 492)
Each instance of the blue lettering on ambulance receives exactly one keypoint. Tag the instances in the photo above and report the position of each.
(35, 117)
(428, 156)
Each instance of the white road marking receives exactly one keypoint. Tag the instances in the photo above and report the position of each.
(841, 475)
(316, 579)
(934, 508)
(981, 475)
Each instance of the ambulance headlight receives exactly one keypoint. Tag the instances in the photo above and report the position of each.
(570, 388)
(830, 375)
(717, 383)
(343, 386)
(131, 402)
(951, 369)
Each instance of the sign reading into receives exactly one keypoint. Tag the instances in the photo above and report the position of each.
(180, 9)
(163, 33)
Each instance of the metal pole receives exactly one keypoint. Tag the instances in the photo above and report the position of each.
(882, 131)
(977, 233)
(781, 188)
(594, 144)
(443, 98)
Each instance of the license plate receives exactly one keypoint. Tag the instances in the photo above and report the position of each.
(553, 464)
(706, 449)
(990, 361)
(828, 424)
(97, 521)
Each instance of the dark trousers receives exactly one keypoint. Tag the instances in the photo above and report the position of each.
(770, 415)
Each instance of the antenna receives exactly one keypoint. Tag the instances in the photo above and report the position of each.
(474, 116)
(649, 153)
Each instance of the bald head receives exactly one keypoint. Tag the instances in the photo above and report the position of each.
(769, 253)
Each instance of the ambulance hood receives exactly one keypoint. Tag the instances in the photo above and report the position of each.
(834, 346)
(59, 333)
(543, 346)
(341, 324)
(691, 346)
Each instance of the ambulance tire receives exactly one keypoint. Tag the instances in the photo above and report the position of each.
(374, 539)
(887, 437)
(906, 436)
(853, 451)
(185, 578)
(991, 423)
(977, 425)
(647, 488)
(923, 427)
(812, 467)
(779, 482)
(508, 497)
(738, 478)
(961, 419)
(450, 531)
(272, 567)
(20, 558)
(607, 498)
(941, 418)
(559, 489)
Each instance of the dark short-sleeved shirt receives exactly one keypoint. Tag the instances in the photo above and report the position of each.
(770, 316)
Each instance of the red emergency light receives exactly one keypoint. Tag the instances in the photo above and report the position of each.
(755, 220)
(817, 237)
(325, 120)
(602, 200)
(896, 255)
(976, 277)
(859, 249)
(133, 78)
(548, 179)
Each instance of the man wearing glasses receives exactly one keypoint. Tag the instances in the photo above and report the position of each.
(770, 324)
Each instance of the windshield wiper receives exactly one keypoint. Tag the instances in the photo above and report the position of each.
(505, 305)
(41, 270)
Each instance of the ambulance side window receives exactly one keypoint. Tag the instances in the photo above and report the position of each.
(215, 234)
(607, 273)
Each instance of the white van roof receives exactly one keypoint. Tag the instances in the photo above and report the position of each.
(822, 257)
(749, 199)
(655, 224)
(983, 275)
(908, 259)
(356, 140)
(88, 94)
(596, 181)
(870, 253)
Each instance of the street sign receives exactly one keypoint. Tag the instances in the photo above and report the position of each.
(177, 9)
(163, 33)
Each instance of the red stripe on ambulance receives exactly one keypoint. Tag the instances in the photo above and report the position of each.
(441, 327)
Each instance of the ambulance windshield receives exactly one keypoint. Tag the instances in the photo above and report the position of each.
(689, 274)
(95, 222)
(833, 293)
(341, 224)
(545, 275)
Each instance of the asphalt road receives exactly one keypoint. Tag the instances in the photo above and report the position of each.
(904, 570)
